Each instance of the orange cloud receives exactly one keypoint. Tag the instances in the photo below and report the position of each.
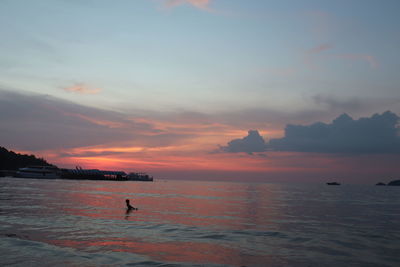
(151, 161)
(81, 88)
(200, 4)
(103, 122)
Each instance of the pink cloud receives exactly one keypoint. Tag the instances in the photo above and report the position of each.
(200, 4)
(320, 48)
(314, 53)
(81, 88)
(371, 60)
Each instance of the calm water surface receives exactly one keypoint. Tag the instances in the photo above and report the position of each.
(84, 223)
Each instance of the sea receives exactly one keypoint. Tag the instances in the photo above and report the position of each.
(197, 223)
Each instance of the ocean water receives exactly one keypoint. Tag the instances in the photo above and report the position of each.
(182, 223)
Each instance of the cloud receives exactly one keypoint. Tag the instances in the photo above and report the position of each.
(335, 103)
(376, 134)
(271, 121)
(37, 122)
(40, 122)
(253, 142)
(83, 89)
(371, 60)
(315, 53)
(320, 48)
(200, 4)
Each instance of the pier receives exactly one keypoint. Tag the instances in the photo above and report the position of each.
(95, 174)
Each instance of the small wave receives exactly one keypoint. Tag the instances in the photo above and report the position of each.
(262, 233)
(216, 236)
(17, 236)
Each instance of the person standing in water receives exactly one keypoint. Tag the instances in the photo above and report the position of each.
(128, 206)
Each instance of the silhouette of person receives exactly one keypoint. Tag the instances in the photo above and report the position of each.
(128, 206)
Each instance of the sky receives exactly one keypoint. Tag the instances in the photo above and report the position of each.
(280, 91)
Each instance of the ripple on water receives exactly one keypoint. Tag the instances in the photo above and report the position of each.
(196, 224)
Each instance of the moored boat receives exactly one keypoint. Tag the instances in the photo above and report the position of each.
(394, 183)
(40, 172)
(139, 176)
(92, 174)
(333, 183)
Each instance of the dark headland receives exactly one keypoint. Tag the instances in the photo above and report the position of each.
(394, 183)
(391, 183)
(9, 160)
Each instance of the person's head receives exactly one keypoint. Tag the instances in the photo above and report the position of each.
(127, 201)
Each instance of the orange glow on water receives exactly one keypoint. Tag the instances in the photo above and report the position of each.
(208, 206)
(189, 203)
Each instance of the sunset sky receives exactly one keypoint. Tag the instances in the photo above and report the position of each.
(299, 91)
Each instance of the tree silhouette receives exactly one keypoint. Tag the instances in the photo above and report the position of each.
(10, 160)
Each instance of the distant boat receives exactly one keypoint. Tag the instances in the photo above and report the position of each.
(41, 172)
(139, 176)
(394, 183)
(333, 183)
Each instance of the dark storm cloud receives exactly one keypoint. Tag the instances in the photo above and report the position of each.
(253, 142)
(376, 134)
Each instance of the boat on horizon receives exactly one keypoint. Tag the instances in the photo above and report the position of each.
(139, 176)
(39, 172)
(333, 183)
